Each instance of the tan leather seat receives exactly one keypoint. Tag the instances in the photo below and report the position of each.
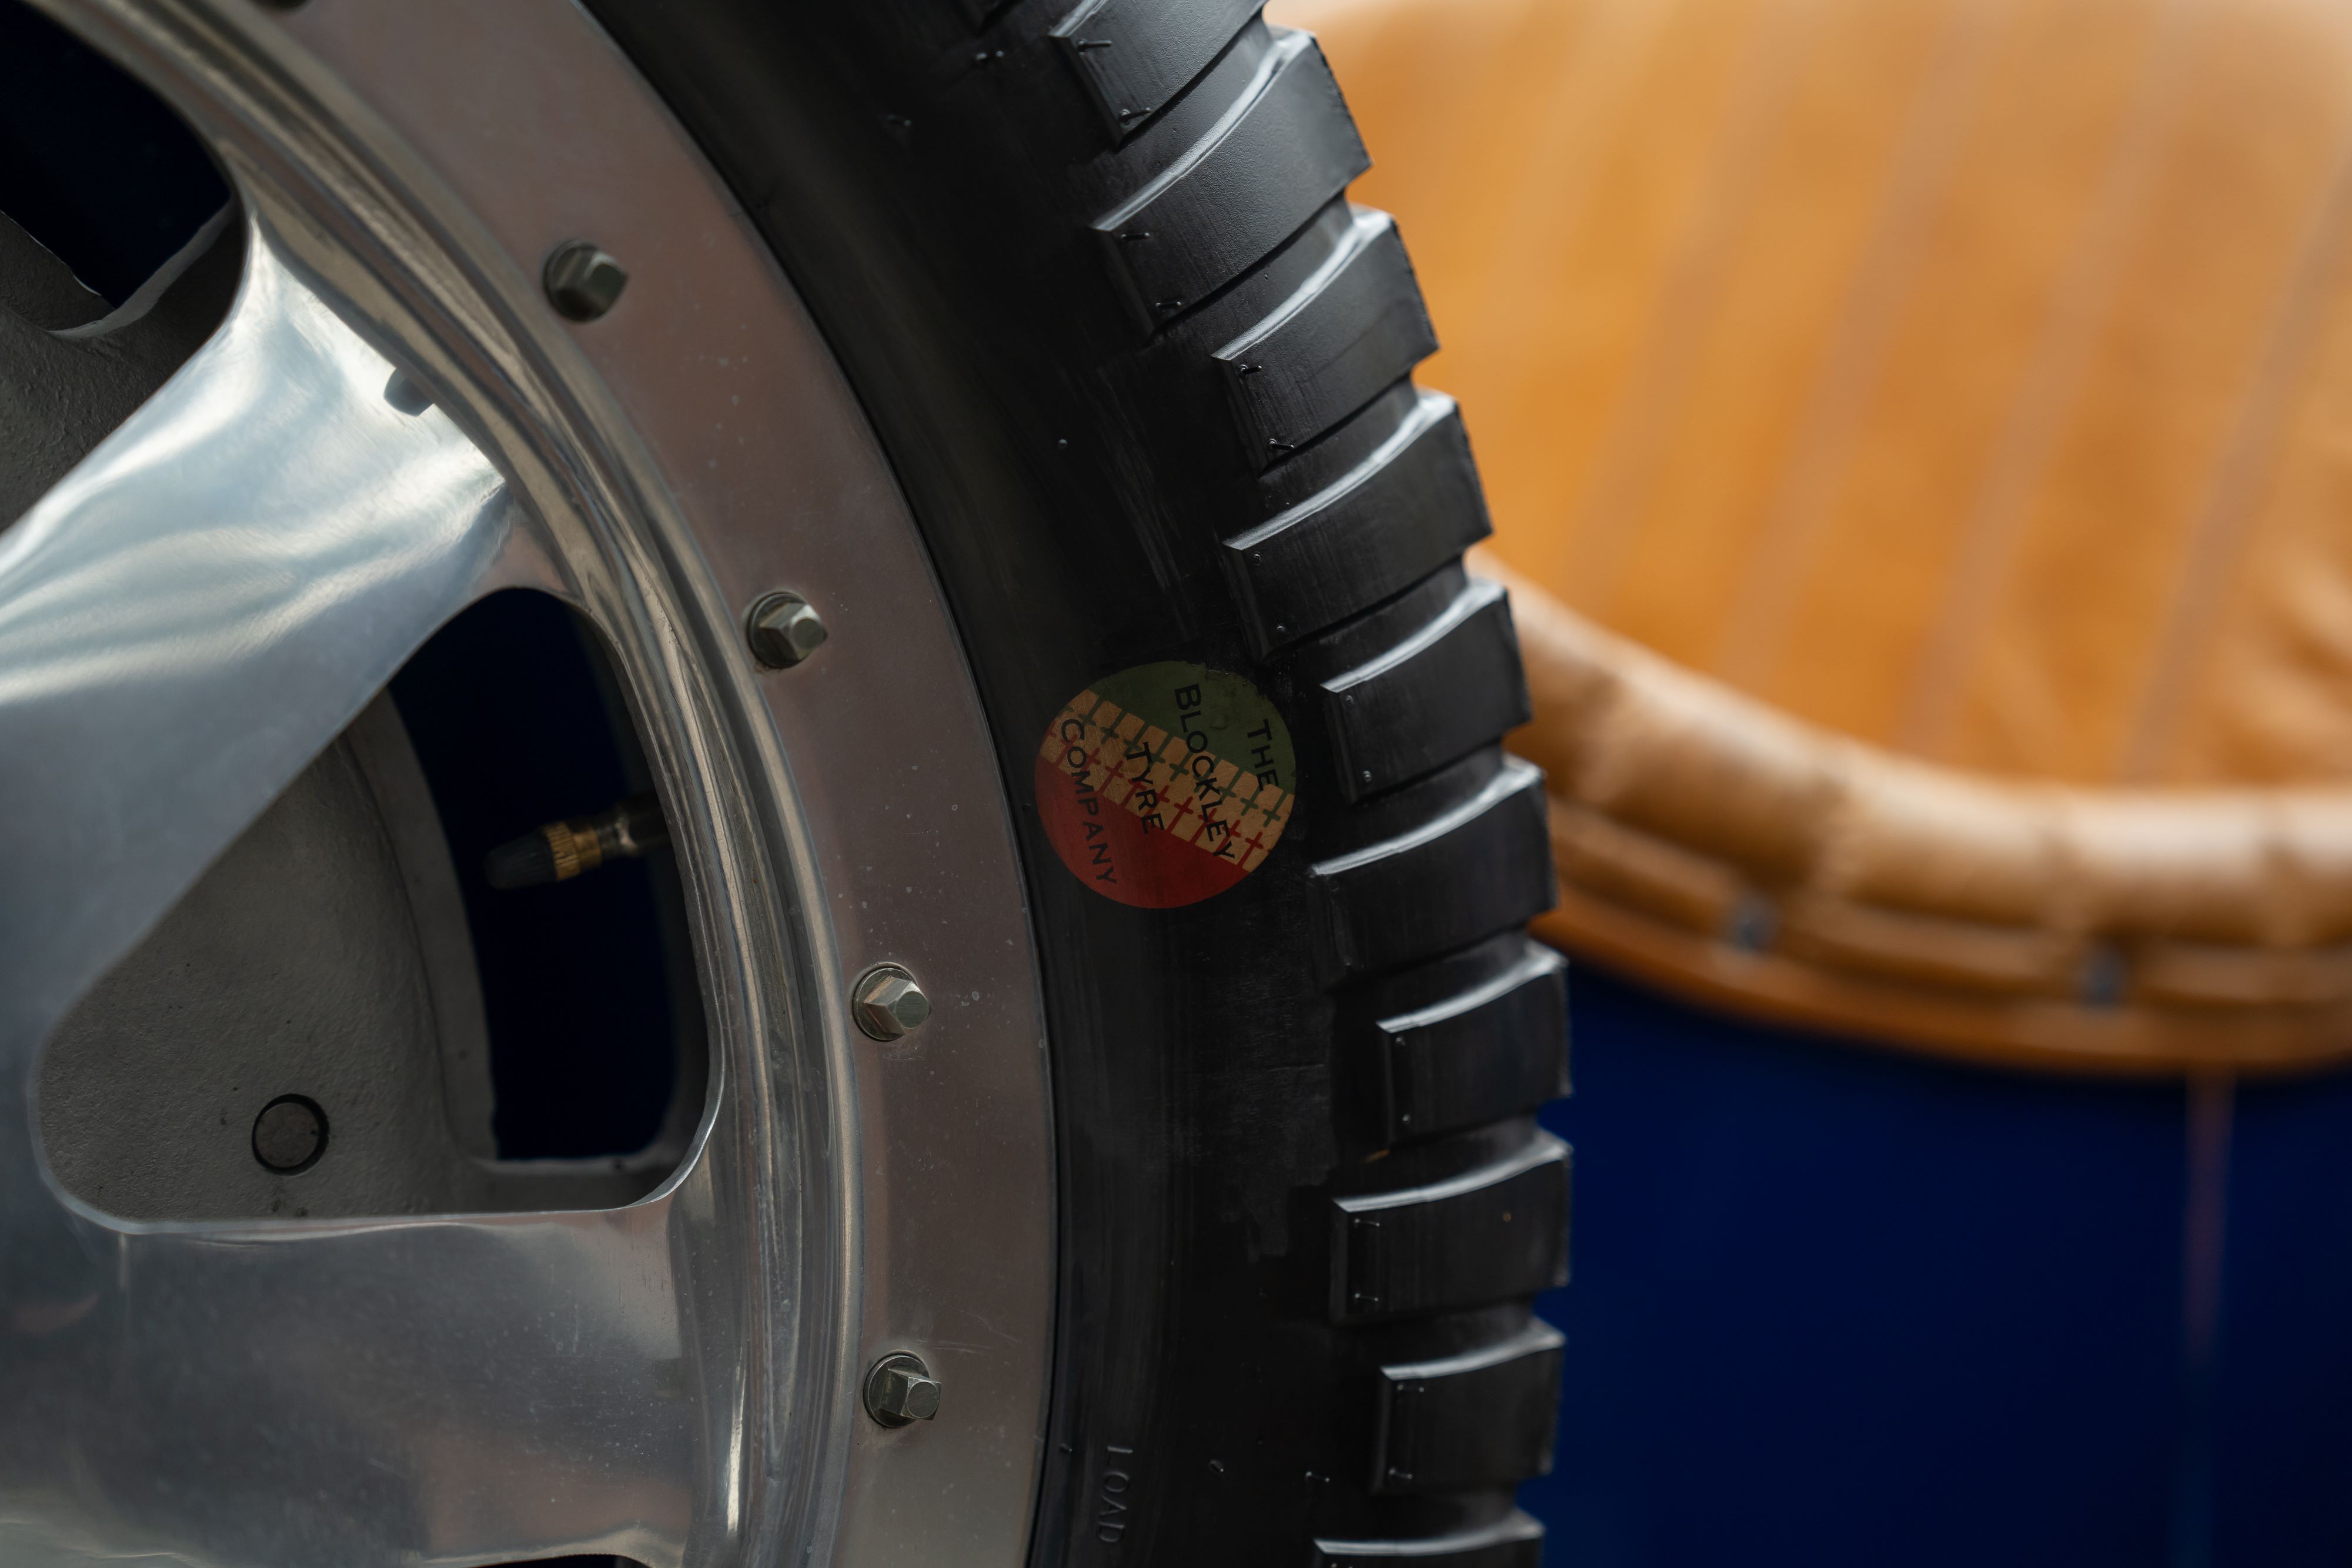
(1955, 397)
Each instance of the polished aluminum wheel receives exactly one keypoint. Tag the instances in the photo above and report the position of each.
(395, 420)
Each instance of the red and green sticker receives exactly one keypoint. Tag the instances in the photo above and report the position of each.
(1165, 784)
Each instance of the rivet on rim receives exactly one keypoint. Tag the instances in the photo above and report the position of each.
(783, 629)
(900, 1389)
(581, 280)
(890, 1005)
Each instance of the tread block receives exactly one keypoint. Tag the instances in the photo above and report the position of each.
(1515, 1541)
(1483, 1419)
(1265, 168)
(1454, 685)
(1403, 512)
(1483, 867)
(1355, 326)
(1136, 55)
(1492, 1050)
(1488, 1235)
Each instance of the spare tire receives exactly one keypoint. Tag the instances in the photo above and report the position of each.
(1145, 375)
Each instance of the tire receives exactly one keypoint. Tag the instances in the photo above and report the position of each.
(1144, 374)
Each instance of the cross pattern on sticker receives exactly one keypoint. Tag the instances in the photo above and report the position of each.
(1165, 784)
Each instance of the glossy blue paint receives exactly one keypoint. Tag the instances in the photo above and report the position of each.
(2282, 1377)
(1842, 1306)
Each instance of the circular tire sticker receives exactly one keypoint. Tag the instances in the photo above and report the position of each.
(1165, 784)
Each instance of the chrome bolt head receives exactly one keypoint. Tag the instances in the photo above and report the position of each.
(889, 1003)
(784, 629)
(581, 280)
(899, 1389)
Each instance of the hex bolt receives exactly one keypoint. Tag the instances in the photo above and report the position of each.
(289, 1134)
(783, 629)
(889, 1004)
(581, 280)
(899, 1389)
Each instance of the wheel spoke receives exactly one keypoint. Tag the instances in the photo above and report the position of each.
(450, 1390)
(185, 621)
(197, 609)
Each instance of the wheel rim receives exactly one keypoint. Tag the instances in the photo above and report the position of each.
(677, 1380)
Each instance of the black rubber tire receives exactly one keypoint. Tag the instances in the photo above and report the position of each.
(1304, 1204)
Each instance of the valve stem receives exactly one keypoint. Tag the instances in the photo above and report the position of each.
(561, 850)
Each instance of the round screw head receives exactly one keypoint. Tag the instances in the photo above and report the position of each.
(899, 1388)
(581, 280)
(784, 629)
(889, 1004)
(289, 1134)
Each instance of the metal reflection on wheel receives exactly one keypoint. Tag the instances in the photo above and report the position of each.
(395, 422)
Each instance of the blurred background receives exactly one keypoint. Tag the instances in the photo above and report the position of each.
(1919, 437)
